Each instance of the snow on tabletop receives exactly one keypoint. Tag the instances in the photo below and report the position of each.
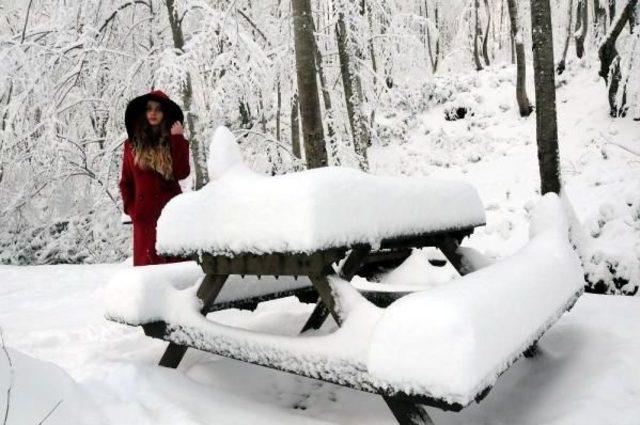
(242, 211)
(138, 295)
(456, 339)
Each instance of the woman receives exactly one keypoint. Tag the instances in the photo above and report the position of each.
(156, 156)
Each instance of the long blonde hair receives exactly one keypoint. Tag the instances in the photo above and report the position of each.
(151, 148)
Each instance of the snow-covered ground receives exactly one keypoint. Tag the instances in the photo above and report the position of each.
(80, 365)
(587, 372)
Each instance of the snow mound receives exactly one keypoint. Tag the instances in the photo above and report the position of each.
(241, 211)
(41, 392)
(224, 154)
(456, 339)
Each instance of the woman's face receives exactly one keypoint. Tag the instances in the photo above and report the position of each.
(154, 112)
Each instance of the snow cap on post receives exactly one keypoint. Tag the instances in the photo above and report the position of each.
(224, 154)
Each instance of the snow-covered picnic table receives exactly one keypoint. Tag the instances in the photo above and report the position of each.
(444, 347)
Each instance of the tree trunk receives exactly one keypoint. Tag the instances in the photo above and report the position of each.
(326, 96)
(612, 10)
(295, 127)
(521, 78)
(582, 19)
(561, 64)
(476, 36)
(187, 96)
(485, 53)
(544, 77)
(433, 60)
(312, 131)
(278, 108)
(610, 60)
(599, 18)
(353, 95)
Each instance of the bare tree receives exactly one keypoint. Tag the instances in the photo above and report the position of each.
(187, 97)
(352, 93)
(485, 40)
(521, 65)
(312, 130)
(476, 36)
(561, 65)
(544, 77)
(610, 60)
(582, 20)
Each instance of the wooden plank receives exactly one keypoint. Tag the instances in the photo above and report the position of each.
(277, 264)
(407, 413)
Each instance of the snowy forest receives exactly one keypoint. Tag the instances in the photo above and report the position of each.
(515, 100)
(69, 68)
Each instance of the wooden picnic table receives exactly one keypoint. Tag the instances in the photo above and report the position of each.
(318, 267)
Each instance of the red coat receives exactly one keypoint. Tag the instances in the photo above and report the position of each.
(145, 193)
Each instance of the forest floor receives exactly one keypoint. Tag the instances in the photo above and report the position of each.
(68, 358)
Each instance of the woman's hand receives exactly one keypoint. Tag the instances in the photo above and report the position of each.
(176, 128)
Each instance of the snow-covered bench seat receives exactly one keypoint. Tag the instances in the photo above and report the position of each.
(152, 286)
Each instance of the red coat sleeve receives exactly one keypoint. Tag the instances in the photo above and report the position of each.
(127, 187)
(180, 156)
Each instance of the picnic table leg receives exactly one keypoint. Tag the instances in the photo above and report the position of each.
(321, 283)
(449, 246)
(407, 413)
(317, 318)
(207, 292)
(348, 270)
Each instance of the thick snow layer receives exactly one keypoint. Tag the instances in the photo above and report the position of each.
(139, 295)
(475, 327)
(587, 371)
(241, 211)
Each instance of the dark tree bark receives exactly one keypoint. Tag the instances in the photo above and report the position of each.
(599, 18)
(582, 19)
(485, 48)
(521, 65)
(610, 61)
(476, 36)
(295, 127)
(353, 94)
(326, 96)
(433, 59)
(612, 10)
(312, 130)
(561, 65)
(187, 96)
(544, 77)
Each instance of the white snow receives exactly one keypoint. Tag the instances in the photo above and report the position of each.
(242, 211)
(475, 327)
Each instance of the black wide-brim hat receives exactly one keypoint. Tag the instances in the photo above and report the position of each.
(170, 109)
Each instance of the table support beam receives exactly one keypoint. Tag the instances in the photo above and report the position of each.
(407, 413)
(207, 292)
